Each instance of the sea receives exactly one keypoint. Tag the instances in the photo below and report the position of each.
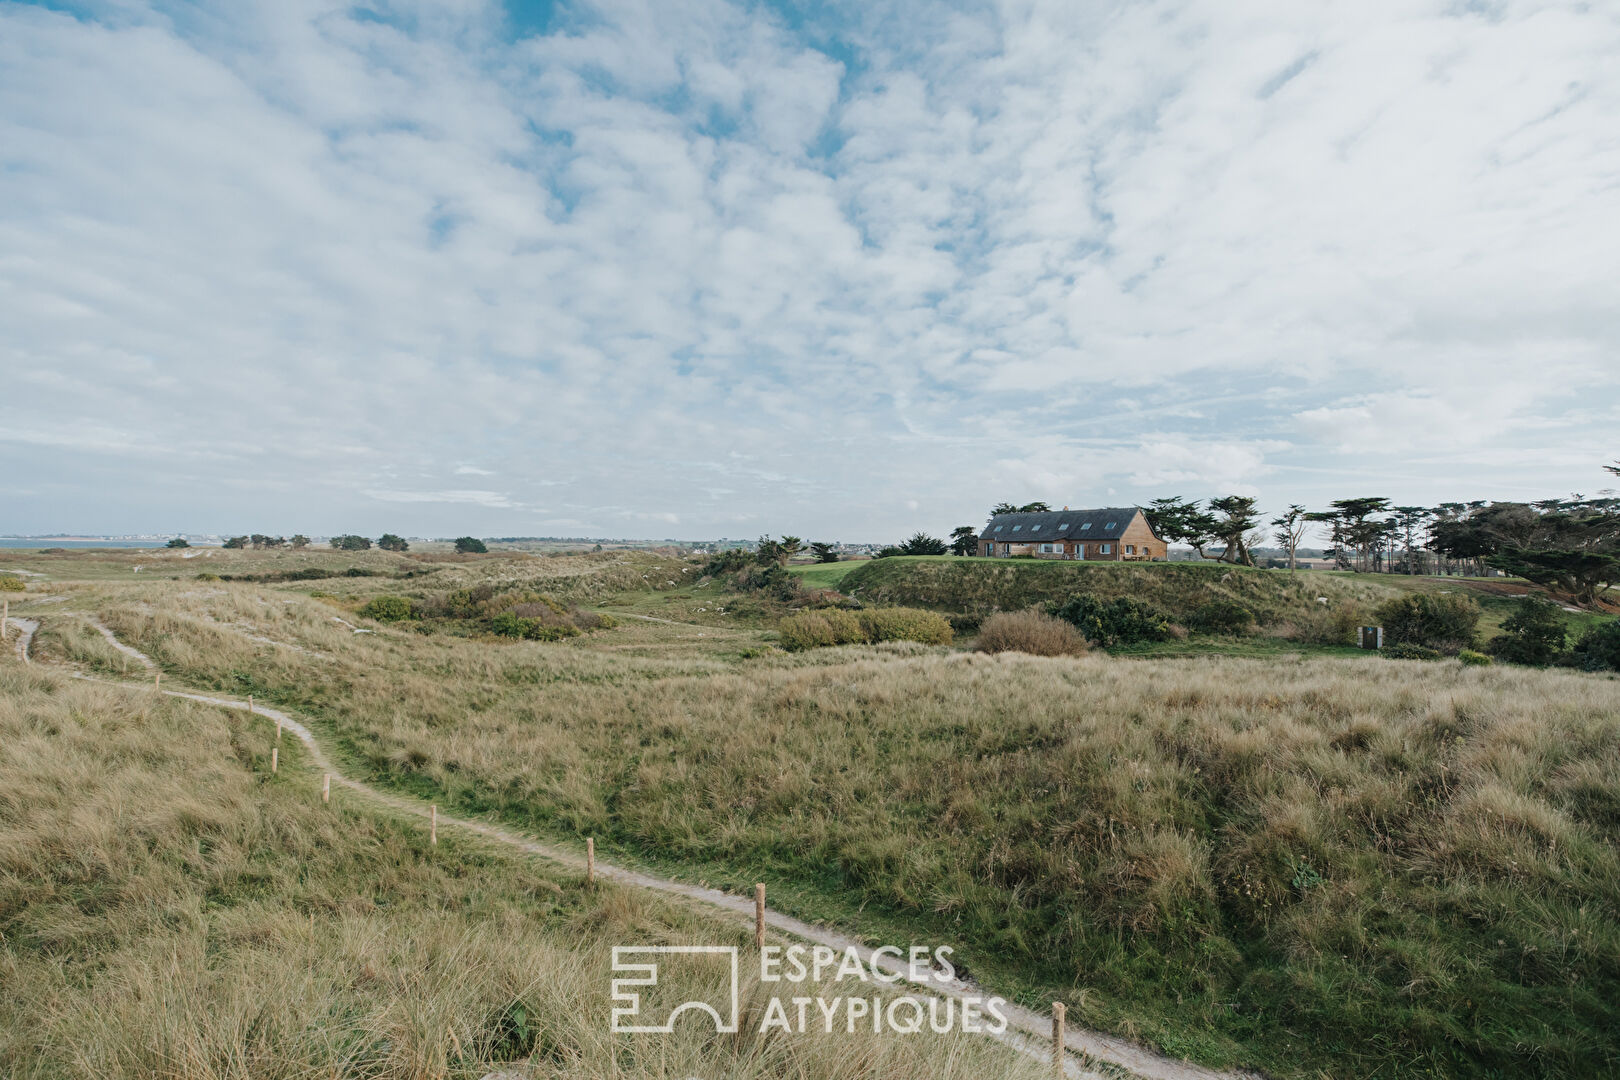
(30, 542)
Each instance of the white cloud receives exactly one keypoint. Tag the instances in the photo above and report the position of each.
(493, 499)
(1031, 250)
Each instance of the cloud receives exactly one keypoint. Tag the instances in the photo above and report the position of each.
(888, 255)
(493, 499)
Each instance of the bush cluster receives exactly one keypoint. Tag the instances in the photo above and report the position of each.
(1599, 648)
(1474, 659)
(1121, 621)
(510, 624)
(1442, 621)
(1033, 632)
(1533, 634)
(389, 609)
(1407, 651)
(1222, 616)
(816, 629)
(12, 583)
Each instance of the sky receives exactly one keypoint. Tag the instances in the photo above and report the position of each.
(694, 268)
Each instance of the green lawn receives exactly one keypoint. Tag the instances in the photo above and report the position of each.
(823, 575)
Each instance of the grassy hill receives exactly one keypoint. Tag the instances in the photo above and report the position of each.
(980, 586)
(168, 907)
(1314, 865)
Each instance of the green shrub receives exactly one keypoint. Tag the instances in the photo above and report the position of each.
(12, 583)
(1534, 633)
(832, 626)
(507, 624)
(806, 630)
(1408, 651)
(1033, 632)
(470, 545)
(905, 624)
(773, 580)
(1443, 621)
(1222, 617)
(1599, 648)
(388, 608)
(1472, 658)
(205, 576)
(1122, 621)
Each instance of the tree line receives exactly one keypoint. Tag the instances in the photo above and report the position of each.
(347, 542)
(1571, 545)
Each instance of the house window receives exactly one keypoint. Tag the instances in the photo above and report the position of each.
(1046, 549)
(1110, 525)
(998, 528)
(1017, 527)
(1106, 549)
(1130, 549)
(1063, 526)
(1034, 528)
(1086, 526)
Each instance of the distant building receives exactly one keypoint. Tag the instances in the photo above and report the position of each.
(1112, 534)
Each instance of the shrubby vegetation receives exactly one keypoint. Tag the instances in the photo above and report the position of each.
(1222, 616)
(813, 629)
(514, 613)
(12, 583)
(1533, 634)
(470, 545)
(1441, 621)
(1033, 632)
(1405, 650)
(1599, 648)
(389, 609)
(1121, 621)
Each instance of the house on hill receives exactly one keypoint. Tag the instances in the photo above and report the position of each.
(1111, 534)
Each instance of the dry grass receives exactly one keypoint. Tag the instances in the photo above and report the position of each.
(1033, 632)
(1326, 867)
(170, 910)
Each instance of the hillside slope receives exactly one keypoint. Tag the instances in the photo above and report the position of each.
(980, 586)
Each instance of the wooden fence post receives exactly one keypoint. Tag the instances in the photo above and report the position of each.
(590, 860)
(759, 915)
(433, 823)
(157, 681)
(275, 757)
(1059, 1010)
(250, 703)
(326, 788)
(5, 619)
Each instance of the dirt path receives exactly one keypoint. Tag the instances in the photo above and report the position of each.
(1027, 1031)
(128, 650)
(28, 627)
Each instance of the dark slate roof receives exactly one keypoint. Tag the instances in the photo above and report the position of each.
(1106, 524)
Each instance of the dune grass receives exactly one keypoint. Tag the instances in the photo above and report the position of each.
(170, 909)
(1323, 867)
